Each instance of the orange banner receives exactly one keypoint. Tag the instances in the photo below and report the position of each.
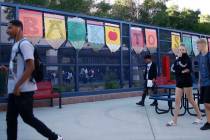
(32, 23)
(151, 38)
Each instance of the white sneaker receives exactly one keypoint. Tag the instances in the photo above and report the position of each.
(198, 121)
(171, 123)
(59, 137)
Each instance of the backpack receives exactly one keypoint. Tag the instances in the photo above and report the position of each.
(37, 74)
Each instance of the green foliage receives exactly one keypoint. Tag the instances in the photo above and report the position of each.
(153, 12)
(110, 80)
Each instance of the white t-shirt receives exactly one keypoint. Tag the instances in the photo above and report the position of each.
(148, 68)
(17, 65)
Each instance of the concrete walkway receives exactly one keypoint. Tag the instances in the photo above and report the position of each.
(117, 119)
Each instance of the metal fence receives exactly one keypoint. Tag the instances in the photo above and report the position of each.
(86, 71)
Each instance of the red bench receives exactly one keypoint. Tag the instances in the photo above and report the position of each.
(45, 91)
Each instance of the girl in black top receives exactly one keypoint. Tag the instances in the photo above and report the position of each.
(182, 68)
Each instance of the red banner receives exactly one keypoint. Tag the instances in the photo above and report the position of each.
(137, 39)
(151, 38)
(32, 23)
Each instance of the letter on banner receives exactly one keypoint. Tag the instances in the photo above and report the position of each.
(32, 23)
(112, 36)
(55, 30)
(95, 32)
(151, 39)
(137, 39)
(194, 45)
(175, 42)
(76, 32)
(187, 40)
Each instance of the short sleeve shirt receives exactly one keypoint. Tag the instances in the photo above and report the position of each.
(17, 66)
(204, 69)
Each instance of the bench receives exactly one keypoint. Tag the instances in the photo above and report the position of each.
(45, 91)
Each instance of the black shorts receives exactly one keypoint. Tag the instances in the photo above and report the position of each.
(205, 94)
(183, 85)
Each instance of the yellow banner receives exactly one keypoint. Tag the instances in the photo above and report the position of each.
(113, 37)
(175, 42)
(54, 27)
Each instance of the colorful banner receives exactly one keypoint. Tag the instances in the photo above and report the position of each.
(137, 39)
(151, 38)
(175, 42)
(187, 40)
(194, 45)
(76, 32)
(55, 30)
(32, 23)
(112, 36)
(95, 31)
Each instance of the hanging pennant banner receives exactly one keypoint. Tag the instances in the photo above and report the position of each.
(151, 38)
(137, 39)
(76, 32)
(55, 30)
(32, 23)
(194, 45)
(112, 36)
(95, 31)
(187, 40)
(175, 42)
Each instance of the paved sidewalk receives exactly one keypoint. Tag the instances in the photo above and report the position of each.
(118, 119)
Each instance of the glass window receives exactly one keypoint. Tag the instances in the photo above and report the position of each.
(66, 55)
(138, 76)
(103, 56)
(92, 78)
(126, 74)
(62, 77)
(125, 30)
(165, 35)
(4, 35)
(165, 47)
(7, 14)
(5, 54)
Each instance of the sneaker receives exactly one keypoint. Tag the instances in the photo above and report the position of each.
(154, 104)
(59, 137)
(140, 103)
(198, 121)
(206, 126)
(171, 123)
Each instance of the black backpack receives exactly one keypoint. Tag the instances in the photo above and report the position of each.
(38, 74)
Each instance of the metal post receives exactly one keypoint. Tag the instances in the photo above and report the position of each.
(76, 71)
(130, 59)
(158, 53)
(121, 57)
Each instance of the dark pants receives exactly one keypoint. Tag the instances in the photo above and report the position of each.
(146, 91)
(23, 106)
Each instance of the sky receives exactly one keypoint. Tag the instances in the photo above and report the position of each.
(202, 5)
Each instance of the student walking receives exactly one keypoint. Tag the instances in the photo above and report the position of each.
(150, 78)
(204, 79)
(21, 85)
(183, 69)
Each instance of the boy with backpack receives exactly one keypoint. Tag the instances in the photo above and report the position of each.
(24, 68)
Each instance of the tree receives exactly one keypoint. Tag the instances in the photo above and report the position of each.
(124, 10)
(102, 9)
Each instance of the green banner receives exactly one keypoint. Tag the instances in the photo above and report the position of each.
(76, 32)
(187, 40)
